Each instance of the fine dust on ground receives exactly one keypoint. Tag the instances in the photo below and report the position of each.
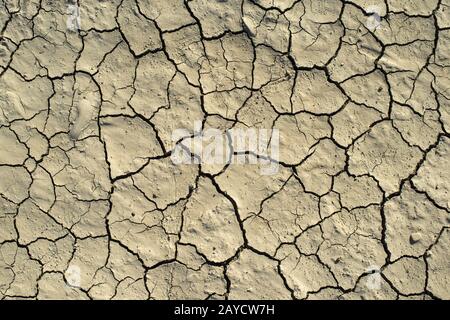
(93, 207)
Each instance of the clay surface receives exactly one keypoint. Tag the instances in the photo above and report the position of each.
(96, 98)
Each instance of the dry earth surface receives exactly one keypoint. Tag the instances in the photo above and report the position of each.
(93, 207)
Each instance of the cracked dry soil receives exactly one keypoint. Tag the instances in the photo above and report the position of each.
(92, 207)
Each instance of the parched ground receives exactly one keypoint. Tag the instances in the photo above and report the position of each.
(93, 207)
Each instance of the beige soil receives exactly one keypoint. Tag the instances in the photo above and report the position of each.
(92, 206)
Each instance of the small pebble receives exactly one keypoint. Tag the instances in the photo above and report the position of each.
(415, 237)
